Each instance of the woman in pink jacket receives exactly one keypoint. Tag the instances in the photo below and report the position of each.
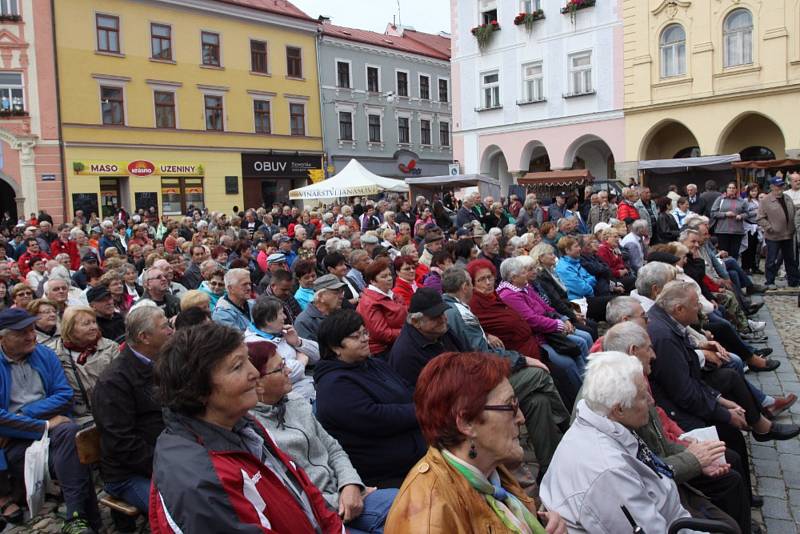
(383, 314)
(517, 293)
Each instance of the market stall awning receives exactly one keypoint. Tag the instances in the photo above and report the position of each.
(352, 181)
(487, 186)
(767, 164)
(558, 178)
(708, 163)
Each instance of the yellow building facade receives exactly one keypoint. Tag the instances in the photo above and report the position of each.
(176, 104)
(711, 77)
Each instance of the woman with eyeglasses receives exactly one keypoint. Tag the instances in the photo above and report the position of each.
(470, 418)
(291, 423)
(47, 324)
(364, 404)
(21, 295)
(214, 287)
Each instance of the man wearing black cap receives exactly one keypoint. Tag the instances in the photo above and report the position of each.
(776, 216)
(88, 260)
(424, 336)
(555, 211)
(111, 323)
(34, 396)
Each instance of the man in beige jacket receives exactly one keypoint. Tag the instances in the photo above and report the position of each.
(777, 217)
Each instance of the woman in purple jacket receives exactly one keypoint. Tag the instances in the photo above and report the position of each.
(518, 294)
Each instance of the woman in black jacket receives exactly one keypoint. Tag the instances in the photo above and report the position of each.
(666, 230)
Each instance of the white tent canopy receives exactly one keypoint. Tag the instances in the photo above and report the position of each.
(352, 181)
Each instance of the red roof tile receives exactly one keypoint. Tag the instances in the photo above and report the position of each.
(278, 7)
(429, 45)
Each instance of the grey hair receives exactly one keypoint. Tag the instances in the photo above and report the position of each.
(639, 227)
(497, 232)
(59, 273)
(674, 294)
(453, 279)
(233, 275)
(140, 320)
(356, 255)
(509, 229)
(652, 274)
(695, 221)
(611, 381)
(487, 240)
(511, 267)
(686, 233)
(621, 337)
(49, 282)
(620, 307)
(413, 317)
(538, 251)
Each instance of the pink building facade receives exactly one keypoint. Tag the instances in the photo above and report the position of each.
(30, 166)
(547, 95)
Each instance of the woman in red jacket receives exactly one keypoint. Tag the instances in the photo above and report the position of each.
(405, 286)
(626, 211)
(383, 314)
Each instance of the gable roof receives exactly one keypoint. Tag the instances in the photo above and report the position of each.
(277, 7)
(424, 44)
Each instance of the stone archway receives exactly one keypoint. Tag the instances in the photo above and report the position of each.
(25, 196)
(751, 129)
(666, 140)
(494, 164)
(10, 199)
(535, 157)
(591, 152)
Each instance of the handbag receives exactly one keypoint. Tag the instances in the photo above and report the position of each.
(562, 344)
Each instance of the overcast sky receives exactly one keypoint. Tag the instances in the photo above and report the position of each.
(430, 16)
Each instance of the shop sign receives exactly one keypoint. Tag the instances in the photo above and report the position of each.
(138, 168)
(279, 165)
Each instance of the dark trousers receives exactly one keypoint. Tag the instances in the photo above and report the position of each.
(596, 310)
(728, 493)
(786, 249)
(730, 243)
(751, 257)
(74, 478)
(733, 387)
(726, 335)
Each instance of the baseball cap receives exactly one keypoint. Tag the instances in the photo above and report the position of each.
(427, 301)
(328, 281)
(432, 235)
(97, 293)
(89, 256)
(276, 258)
(16, 319)
(777, 180)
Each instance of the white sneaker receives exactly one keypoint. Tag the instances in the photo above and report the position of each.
(756, 326)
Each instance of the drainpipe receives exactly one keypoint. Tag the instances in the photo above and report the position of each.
(58, 117)
(321, 101)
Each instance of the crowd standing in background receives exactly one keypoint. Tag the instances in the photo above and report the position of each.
(387, 364)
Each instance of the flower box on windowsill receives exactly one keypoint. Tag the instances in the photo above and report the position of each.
(483, 33)
(527, 19)
(10, 18)
(574, 6)
(8, 113)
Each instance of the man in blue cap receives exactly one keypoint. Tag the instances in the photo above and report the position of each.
(35, 397)
(776, 216)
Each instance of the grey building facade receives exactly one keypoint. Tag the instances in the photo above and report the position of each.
(386, 101)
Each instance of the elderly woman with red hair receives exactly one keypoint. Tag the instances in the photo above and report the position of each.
(384, 315)
(470, 418)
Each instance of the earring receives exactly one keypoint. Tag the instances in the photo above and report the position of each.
(473, 453)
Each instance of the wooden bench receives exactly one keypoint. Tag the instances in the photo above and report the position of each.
(87, 441)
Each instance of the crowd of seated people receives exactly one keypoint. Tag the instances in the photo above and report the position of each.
(381, 366)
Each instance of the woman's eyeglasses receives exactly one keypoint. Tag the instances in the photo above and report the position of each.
(512, 407)
(280, 369)
(362, 333)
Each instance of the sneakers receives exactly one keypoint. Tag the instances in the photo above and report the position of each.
(77, 525)
(756, 326)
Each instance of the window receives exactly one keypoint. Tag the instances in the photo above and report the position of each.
(580, 73)
(113, 105)
(261, 116)
(373, 80)
(444, 90)
(161, 41)
(210, 43)
(488, 10)
(490, 86)
(165, 109)
(107, 33)
(345, 126)
(8, 8)
(403, 130)
(425, 131)
(214, 113)
(533, 82)
(343, 74)
(531, 6)
(673, 51)
(444, 133)
(11, 100)
(294, 62)
(374, 123)
(258, 57)
(738, 37)
(297, 118)
(424, 87)
(402, 83)
(177, 194)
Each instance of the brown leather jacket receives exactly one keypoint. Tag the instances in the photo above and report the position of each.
(435, 498)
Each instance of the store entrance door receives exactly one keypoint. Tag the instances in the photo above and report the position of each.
(113, 195)
(263, 192)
